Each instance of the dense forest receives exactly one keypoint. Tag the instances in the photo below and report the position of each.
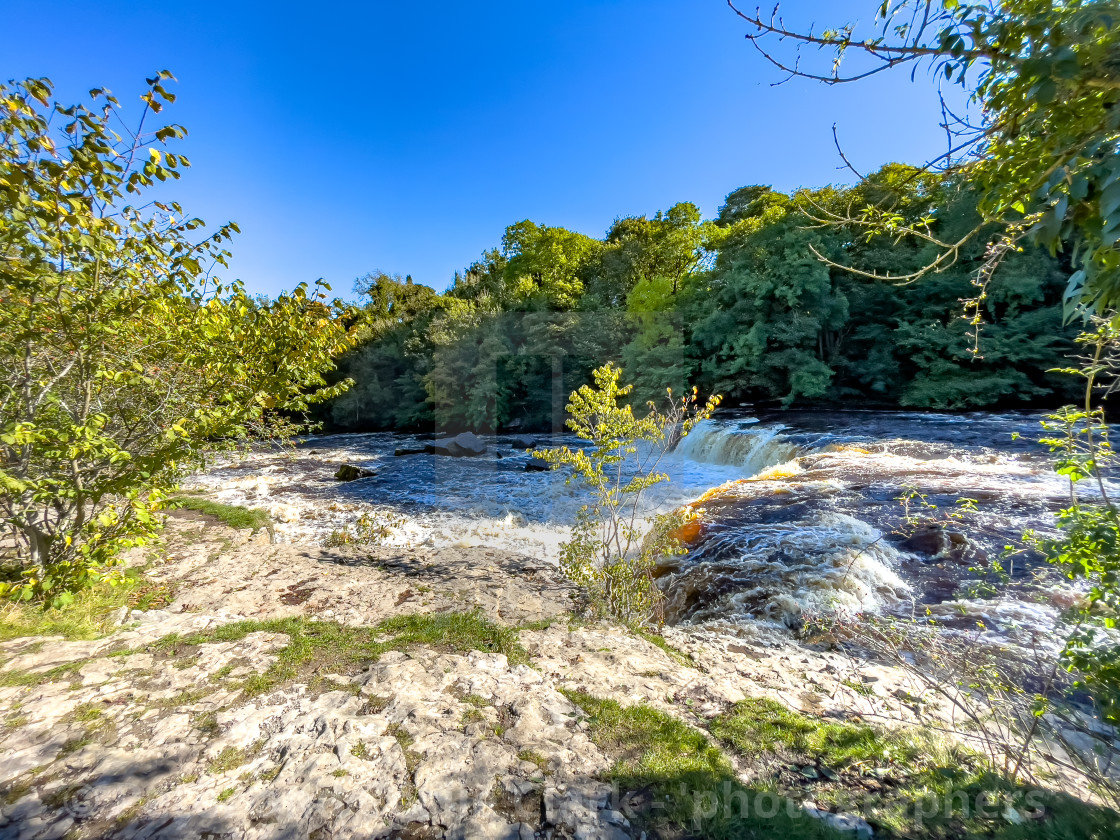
(738, 305)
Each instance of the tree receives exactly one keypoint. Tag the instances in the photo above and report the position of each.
(388, 364)
(643, 265)
(768, 315)
(392, 300)
(738, 305)
(545, 264)
(920, 325)
(121, 358)
(609, 552)
(1045, 79)
(484, 282)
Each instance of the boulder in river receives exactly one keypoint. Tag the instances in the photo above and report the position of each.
(936, 541)
(465, 445)
(523, 443)
(349, 472)
(537, 465)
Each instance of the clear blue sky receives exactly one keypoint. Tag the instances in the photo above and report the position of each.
(348, 137)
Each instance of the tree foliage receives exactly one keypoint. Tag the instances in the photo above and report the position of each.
(616, 540)
(1087, 547)
(737, 305)
(1042, 150)
(121, 358)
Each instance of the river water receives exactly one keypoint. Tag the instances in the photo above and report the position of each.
(801, 512)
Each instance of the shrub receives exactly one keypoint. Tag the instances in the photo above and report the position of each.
(608, 552)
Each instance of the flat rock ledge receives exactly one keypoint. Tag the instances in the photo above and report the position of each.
(128, 737)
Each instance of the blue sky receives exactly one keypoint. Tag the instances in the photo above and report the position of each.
(348, 137)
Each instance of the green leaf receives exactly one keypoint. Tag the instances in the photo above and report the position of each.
(1110, 202)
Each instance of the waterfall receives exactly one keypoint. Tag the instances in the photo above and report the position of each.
(752, 449)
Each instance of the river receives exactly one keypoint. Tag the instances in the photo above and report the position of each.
(801, 512)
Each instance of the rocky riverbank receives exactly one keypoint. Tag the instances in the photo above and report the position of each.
(296, 691)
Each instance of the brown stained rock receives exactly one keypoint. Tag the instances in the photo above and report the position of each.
(933, 539)
(349, 472)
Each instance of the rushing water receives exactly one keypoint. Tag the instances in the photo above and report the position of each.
(800, 511)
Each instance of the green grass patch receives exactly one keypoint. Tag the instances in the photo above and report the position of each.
(472, 716)
(537, 626)
(10, 679)
(207, 723)
(678, 782)
(222, 672)
(904, 783)
(228, 759)
(534, 758)
(270, 774)
(375, 705)
(186, 697)
(15, 790)
(411, 759)
(322, 647)
(234, 516)
(401, 734)
(87, 713)
(759, 727)
(860, 687)
(73, 745)
(88, 616)
(686, 785)
(15, 722)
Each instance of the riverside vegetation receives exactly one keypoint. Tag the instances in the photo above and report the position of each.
(114, 386)
(114, 377)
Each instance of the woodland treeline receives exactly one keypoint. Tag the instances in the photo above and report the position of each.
(738, 305)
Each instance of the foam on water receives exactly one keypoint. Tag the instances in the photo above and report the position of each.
(1002, 618)
(775, 573)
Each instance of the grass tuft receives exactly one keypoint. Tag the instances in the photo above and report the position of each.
(234, 516)
(228, 759)
(907, 783)
(10, 679)
(691, 785)
(678, 656)
(534, 758)
(471, 716)
(88, 616)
